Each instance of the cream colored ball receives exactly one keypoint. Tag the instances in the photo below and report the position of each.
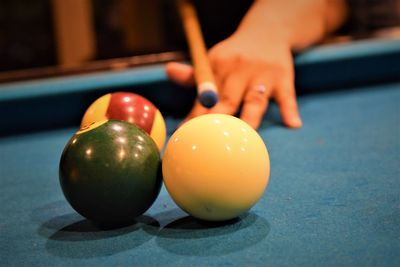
(216, 167)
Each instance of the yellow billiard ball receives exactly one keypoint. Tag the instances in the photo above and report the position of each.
(215, 167)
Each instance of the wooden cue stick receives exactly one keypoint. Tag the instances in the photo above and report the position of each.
(206, 87)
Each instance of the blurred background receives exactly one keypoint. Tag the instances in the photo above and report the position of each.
(72, 33)
(69, 33)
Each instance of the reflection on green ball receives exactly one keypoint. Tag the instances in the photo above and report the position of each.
(110, 172)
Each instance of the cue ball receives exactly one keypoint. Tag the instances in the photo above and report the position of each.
(110, 172)
(215, 167)
(128, 107)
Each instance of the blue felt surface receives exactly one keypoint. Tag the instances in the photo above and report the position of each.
(321, 68)
(333, 199)
(81, 83)
(346, 51)
(348, 56)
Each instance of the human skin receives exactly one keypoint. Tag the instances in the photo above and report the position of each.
(255, 64)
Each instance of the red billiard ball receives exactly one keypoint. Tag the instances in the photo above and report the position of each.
(128, 107)
(110, 172)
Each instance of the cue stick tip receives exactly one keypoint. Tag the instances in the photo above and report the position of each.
(207, 93)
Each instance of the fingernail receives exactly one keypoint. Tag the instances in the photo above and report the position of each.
(295, 122)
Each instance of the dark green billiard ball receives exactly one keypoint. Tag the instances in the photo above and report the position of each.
(110, 172)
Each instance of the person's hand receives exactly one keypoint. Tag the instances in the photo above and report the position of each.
(248, 71)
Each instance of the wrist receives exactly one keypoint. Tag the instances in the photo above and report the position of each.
(296, 23)
(269, 31)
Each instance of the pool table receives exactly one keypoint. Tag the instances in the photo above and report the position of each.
(333, 198)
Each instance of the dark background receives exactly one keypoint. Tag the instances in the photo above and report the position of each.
(28, 38)
(27, 33)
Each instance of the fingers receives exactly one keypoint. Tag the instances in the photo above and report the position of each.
(230, 95)
(197, 110)
(180, 73)
(239, 86)
(256, 100)
(285, 97)
(231, 92)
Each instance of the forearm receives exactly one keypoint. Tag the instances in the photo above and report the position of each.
(300, 23)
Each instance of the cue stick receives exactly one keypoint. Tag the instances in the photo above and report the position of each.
(205, 82)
